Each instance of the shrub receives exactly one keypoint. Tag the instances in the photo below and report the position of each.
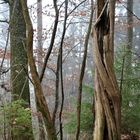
(17, 117)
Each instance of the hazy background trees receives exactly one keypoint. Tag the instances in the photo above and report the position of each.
(126, 62)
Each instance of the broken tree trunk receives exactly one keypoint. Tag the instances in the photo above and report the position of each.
(107, 96)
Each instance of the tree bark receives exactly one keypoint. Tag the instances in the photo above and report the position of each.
(107, 96)
(40, 58)
(39, 36)
(19, 62)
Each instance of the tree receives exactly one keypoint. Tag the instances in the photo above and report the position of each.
(82, 72)
(39, 57)
(19, 62)
(128, 55)
(39, 34)
(107, 96)
(130, 101)
(129, 44)
(41, 101)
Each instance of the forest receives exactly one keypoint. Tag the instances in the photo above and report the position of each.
(69, 70)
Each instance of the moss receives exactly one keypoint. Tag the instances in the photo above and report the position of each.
(19, 63)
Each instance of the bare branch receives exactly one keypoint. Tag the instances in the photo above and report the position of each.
(5, 50)
(129, 10)
(4, 21)
(75, 8)
(52, 41)
(70, 51)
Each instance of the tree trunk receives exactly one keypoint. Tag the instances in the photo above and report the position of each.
(40, 59)
(107, 96)
(129, 43)
(129, 47)
(127, 83)
(41, 101)
(19, 63)
(39, 35)
(82, 72)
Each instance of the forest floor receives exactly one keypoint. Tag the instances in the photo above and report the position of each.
(130, 137)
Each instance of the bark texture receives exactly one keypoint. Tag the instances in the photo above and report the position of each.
(39, 36)
(19, 63)
(107, 96)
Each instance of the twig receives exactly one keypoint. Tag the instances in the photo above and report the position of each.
(5, 21)
(75, 8)
(129, 10)
(5, 50)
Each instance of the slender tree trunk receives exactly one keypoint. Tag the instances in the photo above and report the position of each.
(127, 84)
(41, 101)
(107, 96)
(79, 98)
(39, 35)
(40, 58)
(130, 23)
(60, 55)
(129, 47)
(56, 90)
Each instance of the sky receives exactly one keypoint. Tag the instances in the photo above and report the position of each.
(32, 4)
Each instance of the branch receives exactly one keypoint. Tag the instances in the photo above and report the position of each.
(13, 10)
(25, 70)
(129, 10)
(52, 41)
(5, 50)
(4, 2)
(4, 21)
(70, 52)
(75, 8)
